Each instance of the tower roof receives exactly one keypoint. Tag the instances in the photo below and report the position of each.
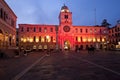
(64, 8)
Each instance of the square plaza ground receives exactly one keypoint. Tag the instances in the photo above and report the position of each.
(67, 65)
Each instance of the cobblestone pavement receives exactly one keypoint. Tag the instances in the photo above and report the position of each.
(10, 67)
(102, 65)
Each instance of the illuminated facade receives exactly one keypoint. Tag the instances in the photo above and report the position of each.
(114, 37)
(62, 36)
(7, 26)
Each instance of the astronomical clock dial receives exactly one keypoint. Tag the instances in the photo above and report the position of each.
(66, 28)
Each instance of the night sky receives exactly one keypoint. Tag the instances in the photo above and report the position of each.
(83, 11)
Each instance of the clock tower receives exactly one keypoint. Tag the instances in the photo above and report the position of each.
(65, 16)
(66, 31)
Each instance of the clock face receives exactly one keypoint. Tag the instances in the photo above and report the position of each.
(66, 28)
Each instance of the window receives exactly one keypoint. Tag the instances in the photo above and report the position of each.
(51, 29)
(81, 30)
(86, 30)
(40, 29)
(22, 29)
(95, 30)
(66, 16)
(90, 30)
(27, 29)
(12, 22)
(45, 30)
(34, 29)
(1, 13)
(76, 30)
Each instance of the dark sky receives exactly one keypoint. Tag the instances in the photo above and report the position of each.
(47, 11)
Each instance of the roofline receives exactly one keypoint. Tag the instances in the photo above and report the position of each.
(9, 8)
(38, 25)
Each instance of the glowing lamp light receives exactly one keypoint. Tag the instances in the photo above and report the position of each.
(84, 40)
(79, 39)
(24, 40)
(37, 40)
(98, 40)
(89, 40)
(47, 36)
(31, 40)
(94, 40)
(118, 43)
(6, 38)
(103, 40)
(28, 39)
(42, 39)
(62, 10)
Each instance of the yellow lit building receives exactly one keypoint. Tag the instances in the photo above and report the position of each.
(7, 26)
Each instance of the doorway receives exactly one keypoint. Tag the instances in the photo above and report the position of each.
(67, 45)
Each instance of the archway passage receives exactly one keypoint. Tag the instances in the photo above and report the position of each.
(1, 38)
(67, 45)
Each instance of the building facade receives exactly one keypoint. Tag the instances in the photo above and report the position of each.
(7, 26)
(114, 37)
(62, 36)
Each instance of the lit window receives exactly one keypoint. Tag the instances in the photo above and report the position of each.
(98, 40)
(28, 39)
(31, 39)
(45, 30)
(94, 40)
(79, 39)
(24, 40)
(42, 39)
(103, 40)
(37, 40)
(84, 40)
(90, 40)
(47, 38)
(90, 30)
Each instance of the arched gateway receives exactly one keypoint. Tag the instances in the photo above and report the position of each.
(67, 45)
